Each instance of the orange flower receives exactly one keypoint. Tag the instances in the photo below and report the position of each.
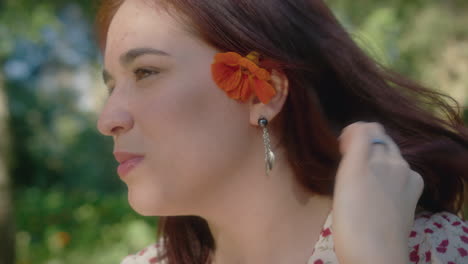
(241, 76)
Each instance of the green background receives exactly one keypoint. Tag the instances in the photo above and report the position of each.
(69, 205)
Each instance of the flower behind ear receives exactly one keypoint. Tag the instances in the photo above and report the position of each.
(241, 76)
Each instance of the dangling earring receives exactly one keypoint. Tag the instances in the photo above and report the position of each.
(269, 155)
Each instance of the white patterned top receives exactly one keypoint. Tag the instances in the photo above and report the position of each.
(440, 238)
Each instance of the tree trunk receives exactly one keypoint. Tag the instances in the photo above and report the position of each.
(7, 231)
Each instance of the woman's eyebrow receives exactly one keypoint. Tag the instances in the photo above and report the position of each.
(132, 54)
(129, 56)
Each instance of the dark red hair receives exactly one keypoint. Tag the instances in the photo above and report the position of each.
(333, 83)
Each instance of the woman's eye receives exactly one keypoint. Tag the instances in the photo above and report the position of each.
(142, 73)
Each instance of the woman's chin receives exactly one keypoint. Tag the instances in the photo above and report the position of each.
(144, 205)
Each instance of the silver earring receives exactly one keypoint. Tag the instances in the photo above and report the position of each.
(269, 155)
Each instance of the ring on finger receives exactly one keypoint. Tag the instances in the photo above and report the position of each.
(378, 141)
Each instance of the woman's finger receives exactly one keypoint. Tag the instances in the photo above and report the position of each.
(354, 146)
(382, 145)
(363, 143)
(416, 183)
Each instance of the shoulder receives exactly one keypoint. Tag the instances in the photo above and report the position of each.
(438, 238)
(152, 254)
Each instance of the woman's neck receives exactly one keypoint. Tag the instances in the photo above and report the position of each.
(267, 219)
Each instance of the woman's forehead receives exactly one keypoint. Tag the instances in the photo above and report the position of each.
(138, 24)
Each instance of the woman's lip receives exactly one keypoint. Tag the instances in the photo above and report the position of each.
(126, 166)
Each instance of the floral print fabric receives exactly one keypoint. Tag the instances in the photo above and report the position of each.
(148, 255)
(440, 238)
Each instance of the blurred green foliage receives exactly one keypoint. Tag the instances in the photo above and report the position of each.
(75, 227)
(70, 205)
(426, 40)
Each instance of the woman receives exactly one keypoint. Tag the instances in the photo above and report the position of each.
(261, 133)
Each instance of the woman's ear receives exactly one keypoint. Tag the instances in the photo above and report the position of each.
(280, 83)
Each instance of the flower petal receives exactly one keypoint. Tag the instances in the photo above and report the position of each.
(235, 93)
(262, 74)
(246, 89)
(248, 64)
(239, 77)
(243, 90)
(263, 90)
(226, 77)
(228, 58)
(253, 68)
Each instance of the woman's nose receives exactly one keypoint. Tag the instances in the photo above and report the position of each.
(113, 122)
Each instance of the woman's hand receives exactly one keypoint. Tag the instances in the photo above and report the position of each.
(375, 198)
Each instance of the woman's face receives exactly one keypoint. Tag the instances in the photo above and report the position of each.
(165, 106)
